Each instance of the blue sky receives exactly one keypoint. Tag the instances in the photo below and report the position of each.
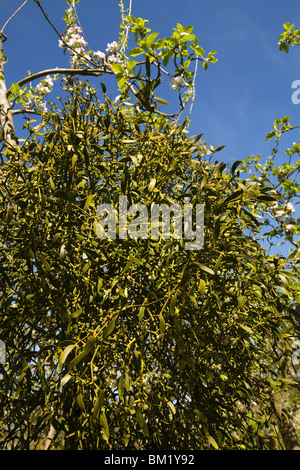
(237, 98)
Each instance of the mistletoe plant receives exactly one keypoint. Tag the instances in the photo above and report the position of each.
(138, 343)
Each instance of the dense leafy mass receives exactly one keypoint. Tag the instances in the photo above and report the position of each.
(137, 343)
(133, 343)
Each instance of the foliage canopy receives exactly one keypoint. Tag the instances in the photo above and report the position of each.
(135, 343)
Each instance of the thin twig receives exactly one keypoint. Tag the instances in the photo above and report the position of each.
(78, 20)
(60, 36)
(194, 88)
(127, 28)
(13, 15)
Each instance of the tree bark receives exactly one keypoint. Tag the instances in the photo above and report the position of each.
(6, 118)
(288, 434)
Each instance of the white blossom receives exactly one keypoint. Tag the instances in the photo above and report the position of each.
(289, 207)
(115, 59)
(100, 55)
(74, 39)
(178, 82)
(112, 47)
(274, 207)
(279, 215)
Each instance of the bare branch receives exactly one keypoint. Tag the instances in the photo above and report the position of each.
(60, 36)
(24, 111)
(194, 88)
(62, 71)
(13, 15)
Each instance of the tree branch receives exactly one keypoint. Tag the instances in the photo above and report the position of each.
(64, 71)
(13, 15)
(60, 36)
(289, 129)
(127, 27)
(24, 111)
(6, 118)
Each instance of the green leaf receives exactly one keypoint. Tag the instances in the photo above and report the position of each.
(200, 415)
(122, 293)
(90, 344)
(217, 265)
(61, 194)
(246, 328)
(166, 58)
(122, 82)
(172, 407)
(234, 195)
(77, 313)
(45, 263)
(88, 201)
(110, 327)
(141, 313)
(64, 354)
(131, 64)
(173, 304)
(205, 268)
(15, 89)
(65, 380)
(96, 408)
(162, 323)
(188, 29)
(136, 51)
(141, 421)
(118, 68)
(103, 86)
(267, 198)
(76, 360)
(104, 426)
(80, 402)
(177, 326)
(99, 285)
(199, 51)
(134, 160)
(127, 382)
(212, 441)
(202, 287)
(188, 37)
(161, 101)
(151, 39)
(241, 301)
(52, 183)
(152, 185)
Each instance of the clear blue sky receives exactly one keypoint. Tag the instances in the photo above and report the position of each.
(237, 98)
